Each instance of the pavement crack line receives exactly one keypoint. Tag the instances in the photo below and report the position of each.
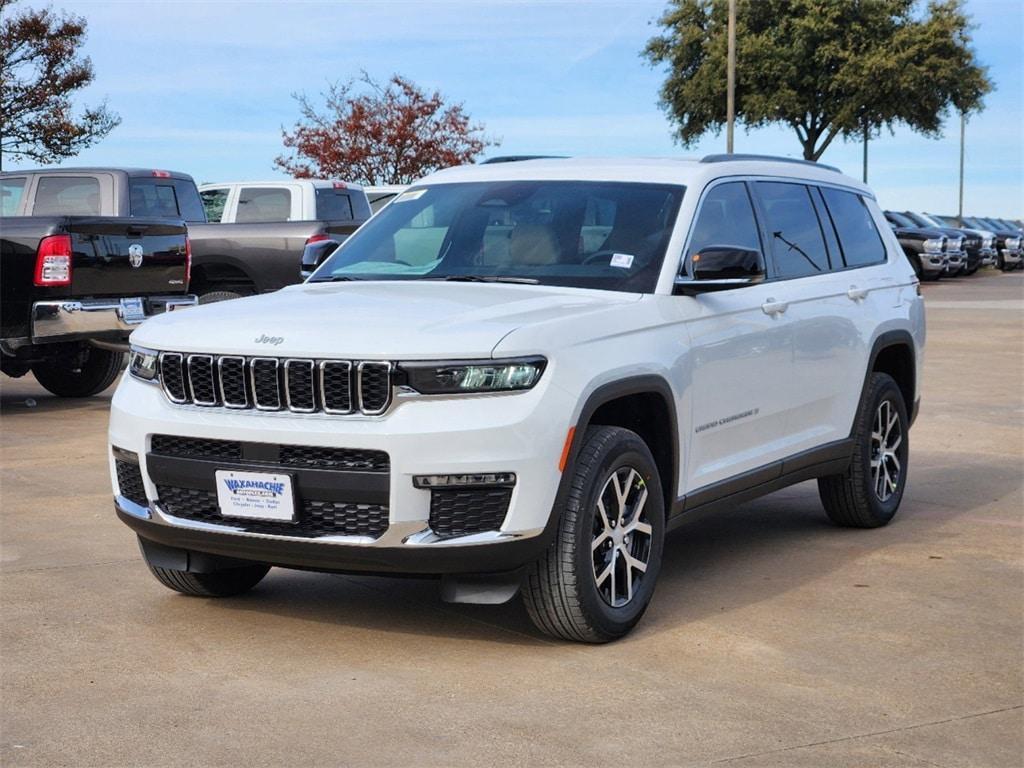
(868, 735)
(11, 571)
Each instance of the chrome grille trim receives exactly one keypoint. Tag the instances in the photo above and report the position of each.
(346, 366)
(288, 365)
(193, 360)
(366, 366)
(220, 378)
(298, 385)
(256, 389)
(171, 364)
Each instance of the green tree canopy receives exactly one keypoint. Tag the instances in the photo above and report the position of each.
(826, 68)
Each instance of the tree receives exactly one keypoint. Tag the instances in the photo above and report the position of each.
(40, 68)
(826, 68)
(385, 135)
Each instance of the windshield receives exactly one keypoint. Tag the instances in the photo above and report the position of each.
(899, 219)
(920, 220)
(604, 235)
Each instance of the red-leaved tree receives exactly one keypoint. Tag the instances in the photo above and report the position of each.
(391, 134)
(41, 66)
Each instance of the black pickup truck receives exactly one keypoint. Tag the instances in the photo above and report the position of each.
(228, 260)
(75, 286)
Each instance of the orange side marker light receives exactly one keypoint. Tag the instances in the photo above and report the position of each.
(565, 449)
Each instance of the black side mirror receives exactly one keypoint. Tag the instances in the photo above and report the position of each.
(722, 268)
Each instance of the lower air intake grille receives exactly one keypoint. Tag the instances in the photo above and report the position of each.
(196, 447)
(129, 482)
(315, 518)
(460, 512)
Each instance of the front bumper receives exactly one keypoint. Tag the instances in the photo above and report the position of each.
(955, 261)
(934, 263)
(520, 433)
(1011, 256)
(108, 319)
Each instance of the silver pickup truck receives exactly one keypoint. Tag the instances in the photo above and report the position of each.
(257, 251)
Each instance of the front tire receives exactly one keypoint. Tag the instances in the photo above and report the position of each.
(96, 371)
(868, 494)
(598, 576)
(224, 583)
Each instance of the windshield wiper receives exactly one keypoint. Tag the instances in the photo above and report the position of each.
(488, 279)
(334, 279)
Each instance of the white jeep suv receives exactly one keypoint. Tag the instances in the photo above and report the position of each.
(524, 375)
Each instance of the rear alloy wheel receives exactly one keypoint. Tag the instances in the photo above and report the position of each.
(868, 494)
(596, 579)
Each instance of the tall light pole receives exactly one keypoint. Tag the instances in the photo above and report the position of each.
(960, 208)
(730, 77)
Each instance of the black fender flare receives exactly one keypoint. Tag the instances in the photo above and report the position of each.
(632, 385)
(895, 338)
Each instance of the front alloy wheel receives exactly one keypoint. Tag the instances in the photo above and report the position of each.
(621, 545)
(597, 577)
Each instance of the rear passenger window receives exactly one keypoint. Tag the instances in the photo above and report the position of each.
(266, 204)
(151, 200)
(726, 218)
(10, 195)
(794, 233)
(859, 240)
(67, 196)
(214, 201)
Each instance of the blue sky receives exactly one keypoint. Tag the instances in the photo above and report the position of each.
(205, 87)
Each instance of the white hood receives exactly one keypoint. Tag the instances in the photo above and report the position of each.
(373, 320)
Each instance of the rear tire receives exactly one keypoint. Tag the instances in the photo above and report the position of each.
(868, 494)
(225, 583)
(596, 579)
(213, 297)
(97, 371)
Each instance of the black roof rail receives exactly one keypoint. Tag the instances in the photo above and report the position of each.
(519, 158)
(772, 158)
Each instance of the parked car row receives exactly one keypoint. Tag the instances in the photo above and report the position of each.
(947, 246)
(89, 253)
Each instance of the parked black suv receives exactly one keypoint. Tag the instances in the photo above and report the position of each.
(923, 247)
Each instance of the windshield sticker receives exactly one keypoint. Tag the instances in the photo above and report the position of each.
(412, 194)
(622, 260)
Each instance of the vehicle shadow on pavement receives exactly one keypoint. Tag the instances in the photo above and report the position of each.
(24, 397)
(712, 564)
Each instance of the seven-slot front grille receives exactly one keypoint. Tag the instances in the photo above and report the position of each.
(272, 384)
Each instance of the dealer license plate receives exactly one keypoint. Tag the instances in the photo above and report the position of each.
(255, 495)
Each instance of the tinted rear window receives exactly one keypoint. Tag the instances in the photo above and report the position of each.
(214, 201)
(333, 204)
(165, 198)
(67, 196)
(794, 233)
(859, 240)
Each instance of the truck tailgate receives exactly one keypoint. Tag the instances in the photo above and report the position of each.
(127, 257)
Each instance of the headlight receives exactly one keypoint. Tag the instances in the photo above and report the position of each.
(1013, 243)
(933, 245)
(986, 242)
(142, 363)
(954, 245)
(474, 376)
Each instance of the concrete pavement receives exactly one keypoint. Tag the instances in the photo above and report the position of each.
(774, 639)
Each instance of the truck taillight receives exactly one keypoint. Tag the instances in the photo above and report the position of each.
(53, 261)
(318, 238)
(188, 262)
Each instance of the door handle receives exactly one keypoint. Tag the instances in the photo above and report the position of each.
(773, 307)
(857, 294)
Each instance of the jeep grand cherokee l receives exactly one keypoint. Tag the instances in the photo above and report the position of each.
(524, 375)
